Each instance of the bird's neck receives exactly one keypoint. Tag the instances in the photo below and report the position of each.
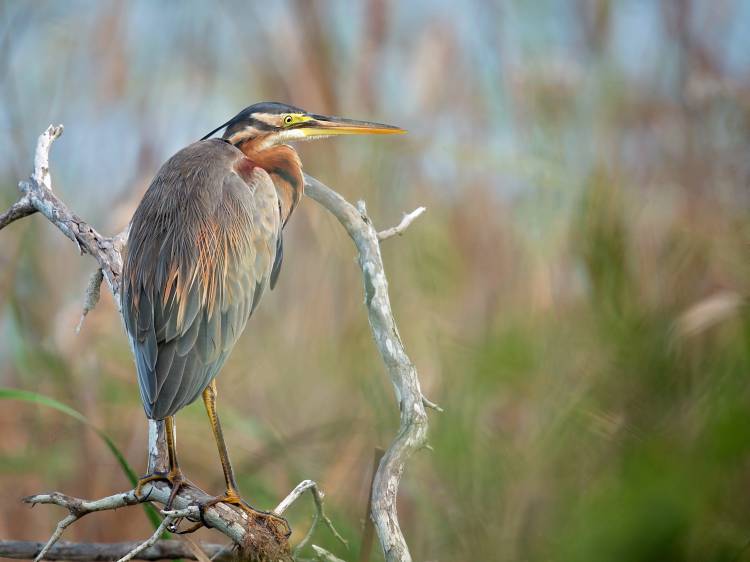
(285, 168)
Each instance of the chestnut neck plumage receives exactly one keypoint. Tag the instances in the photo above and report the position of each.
(285, 168)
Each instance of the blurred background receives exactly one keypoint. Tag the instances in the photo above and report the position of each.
(575, 297)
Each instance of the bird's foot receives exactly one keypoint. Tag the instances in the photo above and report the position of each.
(175, 478)
(275, 523)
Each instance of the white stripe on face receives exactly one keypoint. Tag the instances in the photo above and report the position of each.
(245, 133)
(271, 119)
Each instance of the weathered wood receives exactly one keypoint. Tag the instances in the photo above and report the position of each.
(161, 550)
(412, 434)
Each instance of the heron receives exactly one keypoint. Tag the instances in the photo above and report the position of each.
(205, 243)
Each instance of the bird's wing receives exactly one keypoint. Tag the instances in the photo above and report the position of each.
(195, 271)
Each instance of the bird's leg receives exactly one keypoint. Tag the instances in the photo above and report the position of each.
(232, 495)
(174, 476)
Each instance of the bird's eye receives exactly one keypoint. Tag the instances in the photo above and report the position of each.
(288, 120)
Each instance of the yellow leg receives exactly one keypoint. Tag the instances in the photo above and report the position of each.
(174, 476)
(209, 399)
(232, 495)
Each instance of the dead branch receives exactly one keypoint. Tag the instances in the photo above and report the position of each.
(37, 196)
(368, 532)
(318, 496)
(169, 519)
(18, 210)
(231, 522)
(412, 434)
(399, 229)
(322, 555)
(83, 552)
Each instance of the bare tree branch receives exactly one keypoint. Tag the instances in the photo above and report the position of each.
(368, 533)
(399, 229)
(166, 522)
(412, 434)
(18, 210)
(161, 550)
(37, 196)
(322, 555)
(231, 522)
(318, 496)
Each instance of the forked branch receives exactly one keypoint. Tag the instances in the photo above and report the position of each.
(412, 434)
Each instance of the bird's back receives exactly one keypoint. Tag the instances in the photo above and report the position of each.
(202, 245)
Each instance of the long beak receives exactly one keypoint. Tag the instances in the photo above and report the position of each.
(324, 126)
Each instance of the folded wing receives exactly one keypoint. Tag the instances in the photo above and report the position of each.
(200, 254)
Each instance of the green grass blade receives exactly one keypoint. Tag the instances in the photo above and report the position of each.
(34, 398)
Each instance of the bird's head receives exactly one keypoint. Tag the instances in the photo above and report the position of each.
(270, 124)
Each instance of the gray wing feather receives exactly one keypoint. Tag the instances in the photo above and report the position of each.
(180, 343)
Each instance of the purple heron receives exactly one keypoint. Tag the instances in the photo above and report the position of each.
(204, 243)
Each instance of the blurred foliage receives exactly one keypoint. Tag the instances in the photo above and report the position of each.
(34, 398)
(575, 297)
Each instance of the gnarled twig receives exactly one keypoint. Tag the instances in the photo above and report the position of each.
(39, 197)
(231, 522)
(318, 496)
(399, 229)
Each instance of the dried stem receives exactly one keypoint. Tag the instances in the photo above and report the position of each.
(37, 196)
(368, 531)
(83, 552)
(150, 541)
(322, 555)
(319, 514)
(399, 229)
(412, 434)
(18, 210)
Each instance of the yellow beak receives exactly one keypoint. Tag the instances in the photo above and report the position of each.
(321, 125)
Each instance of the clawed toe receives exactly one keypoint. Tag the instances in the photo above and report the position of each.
(175, 478)
(277, 524)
